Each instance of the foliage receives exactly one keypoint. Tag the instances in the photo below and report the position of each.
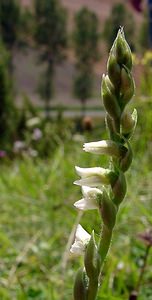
(31, 192)
(10, 17)
(7, 109)
(51, 38)
(9, 22)
(37, 136)
(86, 38)
(119, 16)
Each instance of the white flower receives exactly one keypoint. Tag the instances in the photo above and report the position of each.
(93, 177)
(89, 200)
(82, 238)
(103, 147)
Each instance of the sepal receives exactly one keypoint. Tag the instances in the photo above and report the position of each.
(108, 211)
(114, 70)
(92, 259)
(119, 187)
(126, 160)
(127, 87)
(109, 99)
(128, 123)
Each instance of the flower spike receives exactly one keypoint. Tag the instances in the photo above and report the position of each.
(105, 188)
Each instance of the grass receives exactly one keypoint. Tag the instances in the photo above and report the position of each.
(37, 216)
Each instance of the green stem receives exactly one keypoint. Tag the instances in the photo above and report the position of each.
(92, 289)
(104, 244)
(117, 125)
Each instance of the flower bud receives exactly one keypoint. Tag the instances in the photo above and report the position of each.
(119, 187)
(114, 70)
(107, 210)
(109, 84)
(128, 123)
(110, 124)
(80, 286)
(126, 159)
(122, 50)
(109, 100)
(92, 259)
(127, 86)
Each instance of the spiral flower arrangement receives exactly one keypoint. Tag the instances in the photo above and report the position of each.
(104, 189)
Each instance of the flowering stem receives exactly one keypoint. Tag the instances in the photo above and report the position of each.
(105, 240)
(92, 289)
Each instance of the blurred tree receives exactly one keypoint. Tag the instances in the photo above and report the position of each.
(119, 16)
(144, 38)
(51, 38)
(86, 40)
(83, 86)
(10, 15)
(7, 109)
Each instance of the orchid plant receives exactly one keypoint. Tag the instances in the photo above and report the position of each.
(104, 189)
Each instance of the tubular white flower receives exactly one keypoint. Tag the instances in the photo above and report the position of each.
(103, 147)
(89, 200)
(93, 177)
(82, 238)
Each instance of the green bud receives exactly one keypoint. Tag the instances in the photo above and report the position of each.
(114, 71)
(118, 184)
(92, 259)
(80, 286)
(127, 159)
(109, 100)
(109, 84)
(127, 123)
(122, 50)
(107, 210)
(127, 87)
(110, 124)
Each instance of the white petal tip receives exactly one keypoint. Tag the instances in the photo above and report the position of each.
(76, 182)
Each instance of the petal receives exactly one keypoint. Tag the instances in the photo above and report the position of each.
(86, 172)
(77, 248)
(92, 181)
(85, 190)
(86, 204)
(82, 235)
(90, 192)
